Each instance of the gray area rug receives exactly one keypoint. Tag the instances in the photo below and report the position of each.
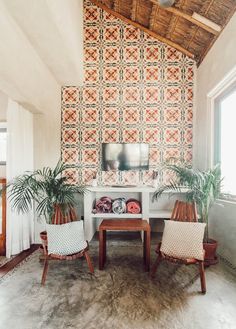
(120, 296)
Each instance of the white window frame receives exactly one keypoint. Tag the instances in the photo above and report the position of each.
(3, 125)
(221, 89)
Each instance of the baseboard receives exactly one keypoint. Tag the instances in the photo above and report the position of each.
(227, 262)
(17, 260)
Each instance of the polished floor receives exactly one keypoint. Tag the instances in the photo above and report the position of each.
(122, 296)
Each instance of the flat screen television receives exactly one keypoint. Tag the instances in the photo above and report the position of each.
(125, 156)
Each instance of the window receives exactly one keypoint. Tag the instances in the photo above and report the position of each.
(3, 145)
(225, 139)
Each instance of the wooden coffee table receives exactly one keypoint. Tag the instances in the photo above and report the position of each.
(124, 225)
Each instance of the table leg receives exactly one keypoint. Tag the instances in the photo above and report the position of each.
(148, 246)
(101, 249)
(144, 247)
(104, 246)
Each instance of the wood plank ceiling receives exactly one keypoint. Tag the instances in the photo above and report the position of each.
(176, 25)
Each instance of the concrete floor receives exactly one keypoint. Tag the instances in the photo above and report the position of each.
(4, 260)
(121, 296)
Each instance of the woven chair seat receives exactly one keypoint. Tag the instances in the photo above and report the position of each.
(185, 261)
(69, 257)
(47, 257)
(183, 212)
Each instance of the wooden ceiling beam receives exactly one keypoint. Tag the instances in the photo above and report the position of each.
(153, 16)
(116, 5)
(143, 28)
(189, 18)
(210, 44)
(134, 10)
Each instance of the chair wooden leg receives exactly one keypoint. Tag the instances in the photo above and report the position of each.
(155, 265)
(45, 271)
(89, 262)
(202, 276)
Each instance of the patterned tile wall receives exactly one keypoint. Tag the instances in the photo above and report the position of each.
(136, 89)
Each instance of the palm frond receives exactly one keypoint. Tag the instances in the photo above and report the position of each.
(45, 208)
(48, 187)
(172, 186)
(22, 192)
(203, 187)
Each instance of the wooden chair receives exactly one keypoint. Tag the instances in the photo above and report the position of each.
(185, 212)
(59, 219)
(47, 258)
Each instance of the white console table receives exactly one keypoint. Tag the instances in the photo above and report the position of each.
(161, 209)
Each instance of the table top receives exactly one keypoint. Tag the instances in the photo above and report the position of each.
(125, 225)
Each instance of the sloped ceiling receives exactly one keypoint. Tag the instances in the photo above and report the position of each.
(176, 25)
(41, 49)
(41, 41)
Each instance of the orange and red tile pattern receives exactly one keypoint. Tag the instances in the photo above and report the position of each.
(136, 89)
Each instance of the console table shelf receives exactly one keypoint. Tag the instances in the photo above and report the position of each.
(150, 210)
(162, 213)
(112, 215)
(116, 188)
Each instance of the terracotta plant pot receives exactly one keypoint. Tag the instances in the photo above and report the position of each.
(210, 252)
(43, 235)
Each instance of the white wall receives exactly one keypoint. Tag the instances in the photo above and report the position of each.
(38, 56)
(219, 61)
(26, 79)
(49, 55)
(2, 171)
(3, 112)
(47, 137)
(3, 106)
(54, 28)
(47, 132)
(217, 64)
(223, 229)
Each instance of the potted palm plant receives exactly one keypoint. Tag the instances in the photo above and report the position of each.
(203, 187)
(49, 190)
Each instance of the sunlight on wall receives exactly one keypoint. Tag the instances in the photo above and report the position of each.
(3, 145)
(228, 136)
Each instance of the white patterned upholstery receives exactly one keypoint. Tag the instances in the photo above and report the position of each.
(66, 239)
(183, 240)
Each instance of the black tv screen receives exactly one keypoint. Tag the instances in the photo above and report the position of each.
(125, 156)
